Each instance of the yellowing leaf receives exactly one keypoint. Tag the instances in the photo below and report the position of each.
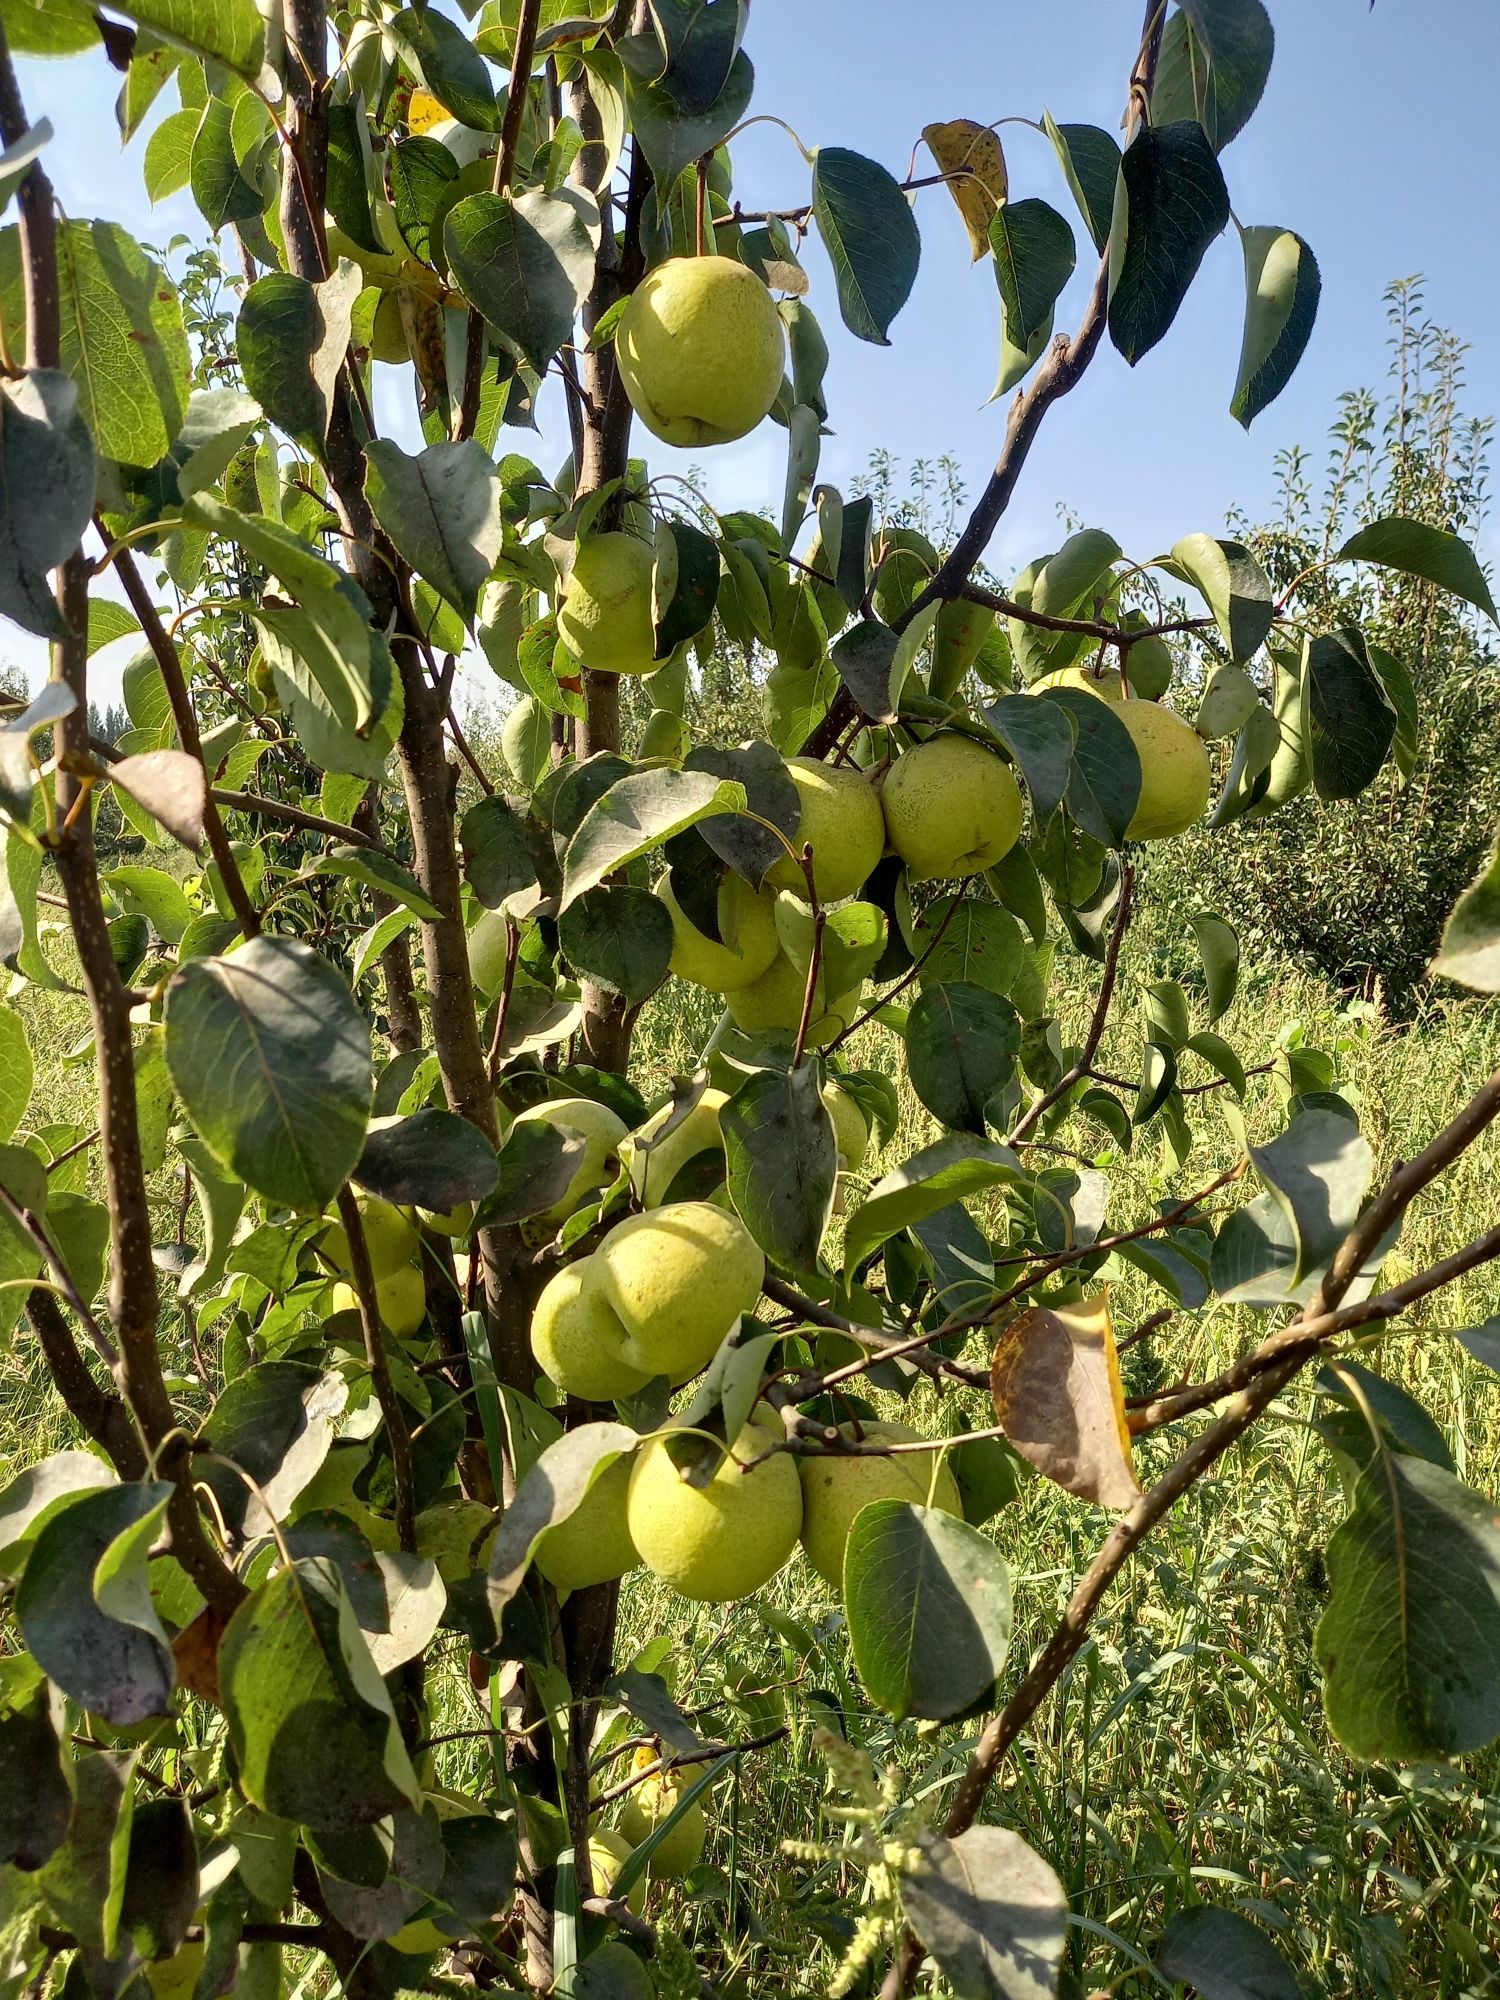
(424, 112)
(972, 153)
(1056, 1385)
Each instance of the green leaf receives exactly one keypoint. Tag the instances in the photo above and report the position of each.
(1090, 161)
(866, 656)
(961, 1046)
(155, 895)
(1418, 549)
(16, 1071)
(375, 870)
(84, 1881)
(1104, 784)
(271, 1058)
(169, 153)
(1170, 204)
(1371, 1416)
(1223, 1956)
(1282, 288)
(348, 176)
(47, 493)
(927, 1598)
(621, 937)
(49, 27)
(946, 1171)
(35, 1494)
(990, 1911)
(227, 31)
(499, 865)
(525, 263)
(979, 942)
(1400, 691)
(276, 1423)
(750, 849)
(1035, 256)
(84, 1606)
(671, 136)
(537, 1165)
(1350, 723)
(1232, 584)
(701, 39)
(1319, 1171)
(36, 1802)
(444, 59)
(638, 813)
(782, 1163)
(551, 1491)
(1040, 735)
(291, 338)
(1219, 955)
(871, 238)
(310, 1722)
(434, 1159)
(421, 170)
(161, 1877)
(1215, 58)
(223, 194)
(442, 511)
(1470, 950)
(1409, 1643)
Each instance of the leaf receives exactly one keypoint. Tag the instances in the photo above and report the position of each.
(310, 1722)
(46, 493)
(223, 194)
(442, 511)
(375, 870)
(961, 1046)
(84, 1607)
(1040, 736)
(1219, 955)
(447, 63)
(1215, 58)
(701, 39)
(990, 1911)
(871, 238)
(271, 1058)
(1233, 585)
(217, 423)
(550, 1492)
(155, 895)
(671, 136)
(227, 31)
(17, 766)
(30, 1499)
(1055, 1381)
(1282, 289)
(1104, 782)
(749, 848)
(695, 590)
(621, 937)
(782, 1163)
(1090, 160)
(946, 1171)
(84, 1881)
(1418, 549)
(927, 1599)
(171, 786)
(1035, 256)
(434, 1159)
(974, 161)
(420, 172)
(1371, 1416)
(1170, 204)
(1470, 950)
(36, 1802)
(1319, 1172)
(536, 1167)
(1350, 722)
(525, 263)
(638, 813)
(979, 942)
(499, 864)
(169, 154)
(291, 338)
(1223, 1956)
(1409, 1643)
(276, 1423)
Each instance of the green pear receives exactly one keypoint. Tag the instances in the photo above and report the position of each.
(665, 735)
(834, 1489)
(841, 821)
(601, 1131)
(605, 618)
(1175, 771)
(700, 351)
(578, 1341)
(400, 1300)
(723, 1540)
(851, 1134)
(952, 808)
(593, 1544)
(608, 1853)
(391, 1239)
(654, 1167)
(526, 741)
(649, 1806)
(1107, 685)
(678, 1278)
(746, 943)
(775, 1000)
(1149, 665)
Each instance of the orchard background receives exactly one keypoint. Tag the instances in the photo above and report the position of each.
(811, 1309)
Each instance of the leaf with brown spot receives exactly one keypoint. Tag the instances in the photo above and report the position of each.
(973, 154)
(171, 786)
(195, 1654)
(1055, 1380)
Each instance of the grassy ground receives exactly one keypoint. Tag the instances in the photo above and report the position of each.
(1184, 1757)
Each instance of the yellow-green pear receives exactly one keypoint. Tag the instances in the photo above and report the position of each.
(841, 821)
(1175, 771)
(957, 639)
(700, 351)
(526, 741)
(665, 735)
(851, 1134)
(834, 1489)
(678, 1278)
(608, 1853)
(774, 1001)
(578, 1341)
(654, 1166)
(487, 948)
(952, 808)
(1149, 665)
(723, 1540)
(605, 617)
(601, 1131)
(400, 1300)
(1107, 685)
(391, 1239)
(746, 943)
(593, 1544)
(456, 1221)
(649, 1806)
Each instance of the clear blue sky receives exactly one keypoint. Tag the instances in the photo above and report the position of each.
(1376, 140)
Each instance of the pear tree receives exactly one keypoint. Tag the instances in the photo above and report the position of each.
(492, 1326)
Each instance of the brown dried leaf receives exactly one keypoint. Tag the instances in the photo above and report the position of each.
(1055, 1380)
(973, 153)
(171, 786)
(195, 1654)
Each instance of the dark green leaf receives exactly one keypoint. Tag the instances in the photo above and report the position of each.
(946, 1171)
(871, 238)
(271, 1058)
(1090, 160)
(537, 1166)
(1282, 288)
(526, 264)
(1170, 205)
(749, 848)
(498, 862)
(980, 942)
(1222, 1956)
(1104, 785)
(274, 1422)
(28, 1501)
(1319, 1170)
(447, 62)
(1418, 549)
(1350, 722)
(421, 170)
(375, 870)
(865, 656)
(35, 1801)
(990, 1911)
(46, 492)
(782, 1163)
(1470, 950)
(442, 511)
(161, 1877)
(672, 137)
(1040, 736)
(961, 1046)
(1372, 1415)
(1219, 955)
(1035, 256)
(640, 812)
(701, 39)
(1215, 58)
(1233, 585)
(291, 339)
(621, 937)
(434, 1159)
(695, 591)
(223, 194)
(928, 1603)
(552, 1490)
